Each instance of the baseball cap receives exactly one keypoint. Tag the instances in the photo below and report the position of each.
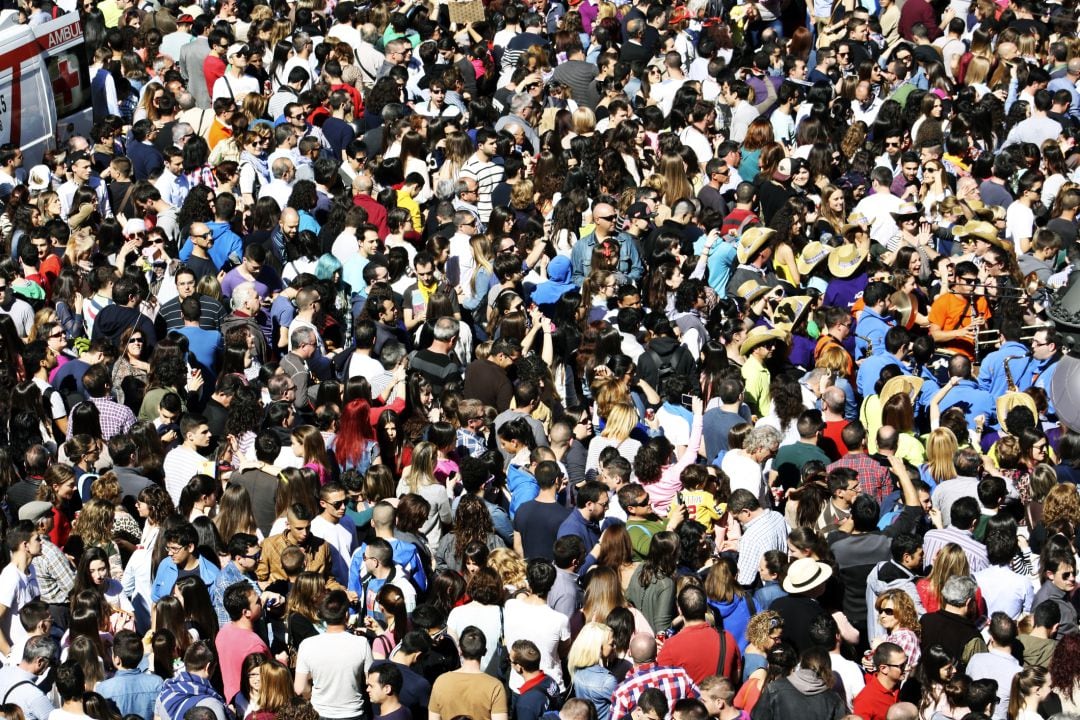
(639, 211)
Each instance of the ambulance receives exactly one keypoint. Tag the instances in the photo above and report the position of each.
(44, 84)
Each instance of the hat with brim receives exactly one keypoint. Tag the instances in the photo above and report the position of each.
(751, 241)
(901, 384)
(805, 574)
(39, 179)
(907, 210)
(759, 336)
(811, 256)
(35, 510)
(1008, 401)
(906, 307)
(856, 221)
(751, 291)
(846, 260)
(982, 230)
(793, 309)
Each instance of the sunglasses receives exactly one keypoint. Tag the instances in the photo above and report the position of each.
(886, 611)
(336, 505)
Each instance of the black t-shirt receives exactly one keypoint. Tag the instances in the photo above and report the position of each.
(539, 524)
(415, 689)
(201, 267)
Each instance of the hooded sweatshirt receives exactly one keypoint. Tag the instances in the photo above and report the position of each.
(558, 282)
(226, 243)
(800, 695)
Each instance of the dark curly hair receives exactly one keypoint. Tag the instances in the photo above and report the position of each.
(1065, 665)
(651, 458)
(472, 523)
(245, 412)
(167, 366)
(196, 207)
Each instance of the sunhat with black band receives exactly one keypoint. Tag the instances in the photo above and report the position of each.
(805, 574)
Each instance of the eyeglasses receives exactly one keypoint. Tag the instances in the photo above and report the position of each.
(1068, 575)
(886, 611)
(201, 235)
(255, 557)
(898, 666)
(337, 505)
(891, 144)
(135, 341)
(607, 218)
(172, 549)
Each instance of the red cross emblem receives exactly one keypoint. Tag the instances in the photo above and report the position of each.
(67, 78)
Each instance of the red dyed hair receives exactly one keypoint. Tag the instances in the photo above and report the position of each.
(354, 429)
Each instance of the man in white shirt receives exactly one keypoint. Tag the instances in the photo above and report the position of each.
(332, 667)
(824, 632)
(18, 583)
(234, 83)
(336, 529)
(879, 205)
(283, 170)
(1019, 217)
(664, 93)
(185, 461)
(695, 136)
(997, 663)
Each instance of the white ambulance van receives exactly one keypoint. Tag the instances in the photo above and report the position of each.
(44, 84)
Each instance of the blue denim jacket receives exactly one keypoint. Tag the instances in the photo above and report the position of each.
(596, 685)
(133, 691)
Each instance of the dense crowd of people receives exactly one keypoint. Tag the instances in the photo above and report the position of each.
(584, 360)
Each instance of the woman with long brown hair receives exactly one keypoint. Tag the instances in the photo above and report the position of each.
(758, 135)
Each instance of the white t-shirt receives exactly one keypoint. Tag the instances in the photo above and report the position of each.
(745, 474)
(181, 464)
(16, 589)
(56, 403)
(1019, 224)
(487, 618)
(337, 663)
(61, 714)
(240, 87)
(545, 627)
(364, 365)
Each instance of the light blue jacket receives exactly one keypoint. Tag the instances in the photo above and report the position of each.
(596, 685)
(167, 574)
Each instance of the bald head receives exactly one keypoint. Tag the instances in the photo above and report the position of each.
(362, 184)
(902, 711)
(643, 648)
(199, 229)
(1073, 67)
(834, 399)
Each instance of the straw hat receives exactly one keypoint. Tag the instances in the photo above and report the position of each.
(983, 231)
(759, 336)
(805, 574)
(751, 241)
(856, 221)
(907, 209)
(901, 384)
(794, 307)
(750, 291)
(1008, 401)
(811, 256)
(845, 260)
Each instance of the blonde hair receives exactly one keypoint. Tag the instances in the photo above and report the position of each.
(588, 648)
(978, 70)
(510, 566)
(941, 449)
(584, 121)
(422, 470)
(621, 420)
(949, 562)
(95, 523)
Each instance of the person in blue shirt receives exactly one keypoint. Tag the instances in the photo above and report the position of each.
(874, 321)
(203, 345)
(966, 394)
(226, 242)
(132, 690)
(894, 347)
(181, 560)
(993, 376)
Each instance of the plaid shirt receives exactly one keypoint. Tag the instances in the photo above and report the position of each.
(874, 478)
(116, 419)
(674, 682)
(471, 443)
(55, 573)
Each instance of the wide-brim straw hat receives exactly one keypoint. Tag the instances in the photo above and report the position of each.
(759, 336)
(751, 291)
(1008, 401)
(983, 231)
(846, 260)
(811, 256)
(793, 309)
(901, 384)
(751, 241)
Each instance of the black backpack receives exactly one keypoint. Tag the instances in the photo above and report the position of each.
(665, 364)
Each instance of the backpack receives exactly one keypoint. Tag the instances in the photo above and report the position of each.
(665, 364)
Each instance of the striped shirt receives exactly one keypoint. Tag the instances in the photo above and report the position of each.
(487, 175)
(937, 539)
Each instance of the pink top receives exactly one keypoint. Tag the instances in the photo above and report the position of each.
(663, 491)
